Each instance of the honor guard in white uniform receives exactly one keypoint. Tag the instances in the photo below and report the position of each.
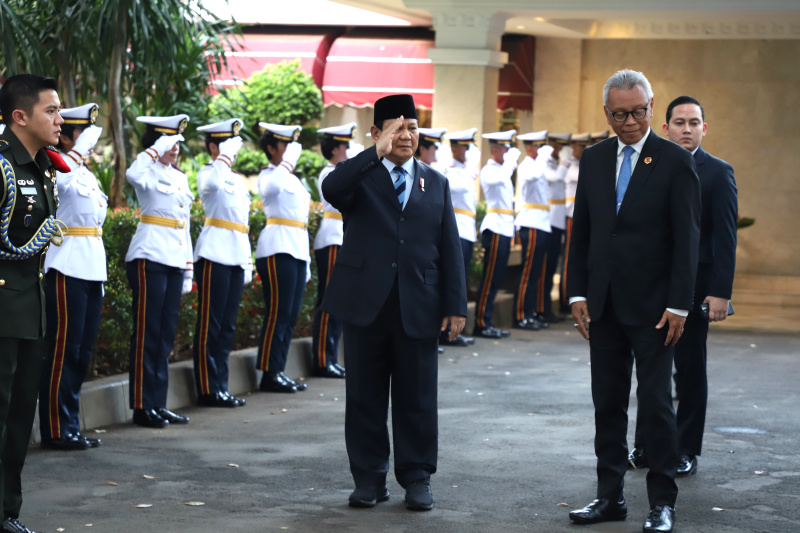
(497, 228)
(598, 136)
(337, 145)
(159, 266)
(75, 272)
(555, 171)
(461, 172)
(578, 142)
(533, 224)
(223, 262)
(282, 255)
(430, 140)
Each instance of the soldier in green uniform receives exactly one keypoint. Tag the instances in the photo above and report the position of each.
(29, 105)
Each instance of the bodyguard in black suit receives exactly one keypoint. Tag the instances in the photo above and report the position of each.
(631, 274)
(397, 282)
(686, 126)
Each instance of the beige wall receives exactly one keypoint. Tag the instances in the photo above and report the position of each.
(750, 90)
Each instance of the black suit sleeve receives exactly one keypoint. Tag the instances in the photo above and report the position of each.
(724, 213)
(685, 210)
(577, 268)
(454, 287)
(340, 186)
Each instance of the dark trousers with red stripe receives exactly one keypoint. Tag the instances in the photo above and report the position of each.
(74, 307)
(327, 330)
(383, 361)
(219, 291)
(496, 249)
(156, 305)
(534, 247)
(562, 287)
(284, 282)
(555, 247)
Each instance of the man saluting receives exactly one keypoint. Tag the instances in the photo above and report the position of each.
(398, 281)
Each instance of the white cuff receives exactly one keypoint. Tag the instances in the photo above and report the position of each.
(679, 312)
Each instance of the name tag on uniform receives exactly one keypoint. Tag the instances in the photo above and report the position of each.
(164, 182)
(28, 190)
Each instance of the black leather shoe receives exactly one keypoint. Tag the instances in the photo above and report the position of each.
(661, 519)
(469, 340)
(542, 321)
(93, 443)
(552, 318)
(216, 400)
(440, 350)
(419, 496)
(172, 418)
(66, 442)
(276, 383)
(637, 459)
(687, 466)
(368, 496)
(489, 332)
(148, 418)
(13, 525)
(526, 324)
(328, 371)
(601, 510)
(459, 340)
(238, 401)
(297, 385)
(340, 368)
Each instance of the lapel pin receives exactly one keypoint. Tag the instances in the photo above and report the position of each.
(422, 183)
(648, 160)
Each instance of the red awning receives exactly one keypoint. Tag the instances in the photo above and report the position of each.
(258, 51)
(515, 90)
(360, 71)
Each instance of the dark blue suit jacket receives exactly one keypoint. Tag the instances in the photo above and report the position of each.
(717, 227)
(418, 245)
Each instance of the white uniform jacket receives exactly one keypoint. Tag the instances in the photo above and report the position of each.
(571, 180)
(462, 192)
(331, 229)
(534, 212)
(82, 206)
(163, 192)
(225, 198)
(285, 200)
(555, 173)
(499, 193)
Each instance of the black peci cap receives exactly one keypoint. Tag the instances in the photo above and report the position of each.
(394, 106)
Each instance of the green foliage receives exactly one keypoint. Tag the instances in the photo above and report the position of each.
(279, 94)
(249, 161)
(476, 266)
(191, 165)
(103, 169)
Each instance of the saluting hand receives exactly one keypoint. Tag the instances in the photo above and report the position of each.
(384, 143)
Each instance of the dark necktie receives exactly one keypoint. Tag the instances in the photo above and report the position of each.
(400, 184)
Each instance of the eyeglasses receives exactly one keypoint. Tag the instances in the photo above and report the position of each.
(621, 116)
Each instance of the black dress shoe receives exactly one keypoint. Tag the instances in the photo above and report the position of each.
(329, 371)
(238, 401)
(148, 418)
(459, 340)
(439, 350)
(469, 340)
(637, 459)
(340, 368)
(541, 320)
(13, 525)
(66, 442)
(216, 400)
(92, 442)
(687, 466)
(489, 332)
(661, 519)
(504, 332)
(297, 385)
(172, 418)
(552, 318)
(601, 510)
(526, 324)
(419, 496)
(276, 383)
(368, 496)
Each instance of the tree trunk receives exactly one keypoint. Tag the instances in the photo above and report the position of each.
(69, 98)
(115, 107)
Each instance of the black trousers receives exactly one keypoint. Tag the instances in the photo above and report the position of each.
(534, 248)
(327, 329)
(555, 249)
(20, 372)
(73, 318)
(614, 347)
(381, 360)
(691, 377)
(283, 280)
(495, 260)
(562, 287)
(219, 291)
(156, 305)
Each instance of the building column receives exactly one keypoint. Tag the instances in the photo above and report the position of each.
(557, 85)
(468, 59)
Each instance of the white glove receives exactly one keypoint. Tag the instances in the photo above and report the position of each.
(165, 143)
(87, 139)
(565, 155)
(544, 152)
(248, 274)
(473, 156)
(230, 148)
(292, 154)
(512, 156)
(354, 149)
(187, 281)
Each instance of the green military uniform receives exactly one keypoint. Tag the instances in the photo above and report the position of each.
(22, 324)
